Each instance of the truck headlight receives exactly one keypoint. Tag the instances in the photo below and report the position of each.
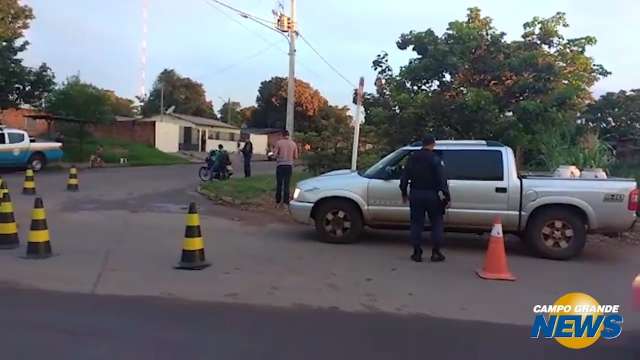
(296, 193)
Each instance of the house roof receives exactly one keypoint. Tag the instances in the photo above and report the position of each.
(195, 120)
(126, 118)
(261, 131)
(204, 121)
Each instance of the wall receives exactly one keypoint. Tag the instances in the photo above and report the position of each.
(167, 136)
(260, 143)
(15, 118)
(230, 146)
(133, 131)
(273, 139)
(228, 138)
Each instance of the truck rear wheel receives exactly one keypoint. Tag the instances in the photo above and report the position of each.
(558, 234)
(37, 162)
(338, 221)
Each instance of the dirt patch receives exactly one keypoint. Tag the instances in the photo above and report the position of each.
(259, 211)
(630, 238)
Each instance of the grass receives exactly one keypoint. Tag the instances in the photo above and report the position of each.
(137, 154)
(255, 190)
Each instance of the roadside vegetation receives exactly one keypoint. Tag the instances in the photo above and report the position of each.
(136, 154)
(255, 191)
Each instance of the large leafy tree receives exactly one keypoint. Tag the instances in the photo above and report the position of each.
(82, 101)
(329, 137)
(14, 19)
(615, 115)
(470, 82)
(120, 106)
(272, 104)
(188, 96)
(19, 84)
(230, 113)
(247, 114)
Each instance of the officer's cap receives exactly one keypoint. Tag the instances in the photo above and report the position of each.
(428, 140)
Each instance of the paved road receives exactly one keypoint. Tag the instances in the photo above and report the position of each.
(48, 325)
(122, 233)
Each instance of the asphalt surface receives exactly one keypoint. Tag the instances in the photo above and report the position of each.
(273, 292)
(49, 325)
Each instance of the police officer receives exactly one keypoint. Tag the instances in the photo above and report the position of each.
(429, 193)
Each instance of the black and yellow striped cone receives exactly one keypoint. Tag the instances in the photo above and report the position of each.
(29, 187)
(193, 246)
(8, 226)
(73, 182)
(39, 245)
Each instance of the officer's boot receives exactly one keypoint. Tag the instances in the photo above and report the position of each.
(436, 255)
(417, 254)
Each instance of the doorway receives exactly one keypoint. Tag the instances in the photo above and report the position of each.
(203, 140)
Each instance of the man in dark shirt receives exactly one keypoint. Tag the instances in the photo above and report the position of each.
(424, 173)
(247, 152)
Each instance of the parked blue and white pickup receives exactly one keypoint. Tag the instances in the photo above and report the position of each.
(17, 149)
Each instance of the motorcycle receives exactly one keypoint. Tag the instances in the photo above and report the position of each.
(206, 172)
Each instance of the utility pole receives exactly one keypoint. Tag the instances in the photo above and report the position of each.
(162, 101)
(291, 93)
(356, 126)
(229, 111)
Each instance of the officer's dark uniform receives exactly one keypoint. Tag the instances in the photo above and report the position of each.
(429, 193)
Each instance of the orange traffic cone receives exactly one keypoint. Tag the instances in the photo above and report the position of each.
(636, 292)
(495, 262)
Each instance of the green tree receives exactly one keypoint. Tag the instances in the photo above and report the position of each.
(615, 115)
(470, 82)
(187, 95)
(14, 19)
(19, 84)
(247, 113)
(82, 101)
(230, 113)
(120, 106)
(330, 138)
(271, 104)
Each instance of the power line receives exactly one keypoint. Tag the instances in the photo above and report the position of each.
(335, 70)
(242, 13)
(243, 60)
(266, 40)
(212, 4)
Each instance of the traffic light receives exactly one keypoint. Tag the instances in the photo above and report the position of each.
(284, 23)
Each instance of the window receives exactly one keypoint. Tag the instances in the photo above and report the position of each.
(15, 138)
(225, 136)
(478, 165)
(3, 139)
(390, 167)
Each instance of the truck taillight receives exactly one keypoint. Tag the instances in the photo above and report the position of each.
(633, 200)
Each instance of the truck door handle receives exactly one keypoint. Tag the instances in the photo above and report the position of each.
(501, 190)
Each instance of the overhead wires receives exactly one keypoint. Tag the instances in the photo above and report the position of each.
(335, 70)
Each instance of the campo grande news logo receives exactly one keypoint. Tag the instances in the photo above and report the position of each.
(576, 321)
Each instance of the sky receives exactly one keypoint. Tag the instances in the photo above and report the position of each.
(101, 40)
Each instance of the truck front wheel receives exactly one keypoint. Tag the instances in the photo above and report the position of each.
(557, 233)
(338, 221)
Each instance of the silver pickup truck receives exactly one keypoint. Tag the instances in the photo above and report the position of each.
(553, 215)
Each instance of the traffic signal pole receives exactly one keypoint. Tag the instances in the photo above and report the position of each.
(356, 126)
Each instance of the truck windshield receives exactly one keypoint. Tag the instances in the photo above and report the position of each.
(379, 170)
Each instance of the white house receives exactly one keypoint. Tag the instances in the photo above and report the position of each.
(178, 132)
